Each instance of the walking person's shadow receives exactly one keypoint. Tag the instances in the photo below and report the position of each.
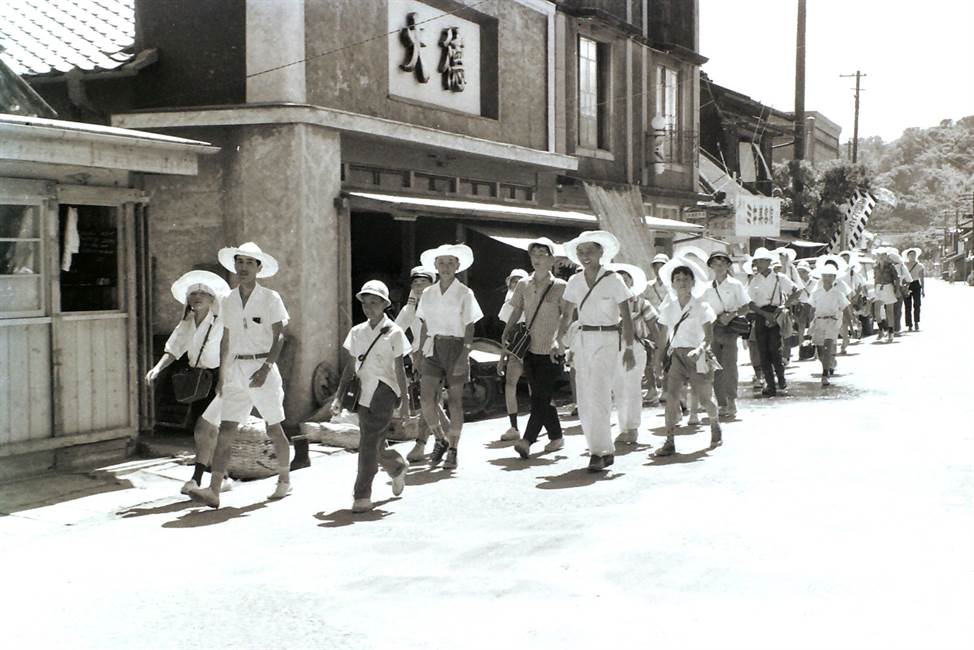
(209, 517)
(576, 478)
(345, 516)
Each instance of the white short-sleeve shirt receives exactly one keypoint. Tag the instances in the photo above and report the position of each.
(380, 364)
(448, 313)
(508, 308)
(691, 333)
(763, 291)
(728, 295)
(188, 338)
(251, 325)
(829, 303)
(656, 293)
(602, 306)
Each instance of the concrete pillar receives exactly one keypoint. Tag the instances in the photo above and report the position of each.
(280, 192)
(275, 37)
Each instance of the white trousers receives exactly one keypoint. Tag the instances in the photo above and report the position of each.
(597, 357)
(627, 390)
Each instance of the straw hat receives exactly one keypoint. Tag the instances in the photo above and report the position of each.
(516, 273)
(605, 239)
(268, 265)
(784, 251)
(907, 252)
(763, 253)
(553, 248)
(206, 281)
(692, 251)
(701, 277)
(639, 280)
(422, 272)
(375, 288)
(462, 252)
(829, 265)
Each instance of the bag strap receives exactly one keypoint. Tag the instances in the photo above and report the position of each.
(719, 297)
(363, 357)
(590, 289)
(676, 328)
(541, 302)
(777, 278)
(205, 338)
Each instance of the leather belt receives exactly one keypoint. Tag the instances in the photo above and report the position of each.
(600, 328)
(253, 357)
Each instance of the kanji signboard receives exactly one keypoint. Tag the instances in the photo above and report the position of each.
(757, 216)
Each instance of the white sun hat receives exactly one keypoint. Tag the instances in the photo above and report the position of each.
(268, 265)
(918, 252)
(692, 251)
(462, 252)
(374, 288)
(610, 245)
(784, 251)
(829, 265)
(639, 280)
(854, 262)
(206, 281)
(422, 272)
(763, 253)
(516, 273)
(661, 258)
(553, 248)
(701, 277)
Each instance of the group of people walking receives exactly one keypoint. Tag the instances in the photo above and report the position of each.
(628, 340)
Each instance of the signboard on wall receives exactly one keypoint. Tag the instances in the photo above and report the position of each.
(757, 216)
(434, 57)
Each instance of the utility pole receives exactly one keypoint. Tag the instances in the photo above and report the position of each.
(855, 127)
(797, 184)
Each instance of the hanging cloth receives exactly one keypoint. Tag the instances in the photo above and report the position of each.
(72, 241)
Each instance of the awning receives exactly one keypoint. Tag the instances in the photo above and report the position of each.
(518, 238)
(503, 212)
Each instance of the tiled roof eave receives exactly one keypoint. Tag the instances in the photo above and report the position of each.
(139, 61)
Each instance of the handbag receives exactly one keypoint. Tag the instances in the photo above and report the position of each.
(193, 384)
(353, 389)
(520, 338)
(738, 326)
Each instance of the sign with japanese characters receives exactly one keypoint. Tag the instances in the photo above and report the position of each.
(757, 216)
(434, 56)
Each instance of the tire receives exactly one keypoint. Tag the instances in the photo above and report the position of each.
(478, 394)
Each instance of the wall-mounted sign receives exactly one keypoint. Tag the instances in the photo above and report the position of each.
(434, 57)
(757, 216)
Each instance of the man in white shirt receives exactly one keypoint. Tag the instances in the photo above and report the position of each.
(655, 292)
(770, 294)
(508, 365)
(254, 318)
(917, 288)
(728, 298)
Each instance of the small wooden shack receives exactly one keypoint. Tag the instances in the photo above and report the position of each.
(75, 286)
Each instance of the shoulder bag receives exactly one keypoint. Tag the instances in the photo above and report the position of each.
(193, 384)
(572, 332)
(520, 338)
(739, 326)
(353, 390)
(667, 354)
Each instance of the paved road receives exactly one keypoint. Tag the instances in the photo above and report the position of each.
(843, 520)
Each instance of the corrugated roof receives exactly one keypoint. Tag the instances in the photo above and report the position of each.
(51, 37)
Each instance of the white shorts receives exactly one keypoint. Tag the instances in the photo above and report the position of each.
(238, 398)
(886, 294)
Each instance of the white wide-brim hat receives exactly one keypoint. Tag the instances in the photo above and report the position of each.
(907, 252)
(553, 248)
(784, 251)
(853, 259)
(639, 280)
(661, 258)
(604, 238)
(763, 253)
(462, 252)
(206, 281)
(692, 251)
(268, 265)
(701, 277)
(822, 266)
(423, 272)
(516, 273)
(374, 288)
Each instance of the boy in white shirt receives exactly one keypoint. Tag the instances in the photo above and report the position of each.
(376, 348)
(829, 305)
(509, 365)
(771, 294)
(449, 311)
(728, 298)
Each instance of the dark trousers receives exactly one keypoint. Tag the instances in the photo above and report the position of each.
(912, 303)
(769, 346)
(542, 374)
(373, 423)
(898, 316)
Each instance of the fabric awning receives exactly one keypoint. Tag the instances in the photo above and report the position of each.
(520, 238)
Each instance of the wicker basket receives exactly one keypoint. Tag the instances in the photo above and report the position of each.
(252, 455)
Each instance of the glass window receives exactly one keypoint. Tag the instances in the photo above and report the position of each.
(588, 93)
(89, 258)
(668, 107)
(21, 261)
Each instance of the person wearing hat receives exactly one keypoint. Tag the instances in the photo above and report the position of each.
(420, 277)
(448, 310)
(655, 291)
(887, 280)
(601, 299)
(198, 336)
(728, 298)
(540, 297)
(627, 389)
(508, 365)
(803, 310)
(916, 290)
(829, 304)
(787, 257)
(854, 284)
(376, 349)
(771, 295)
(686, 336)
(254, 319)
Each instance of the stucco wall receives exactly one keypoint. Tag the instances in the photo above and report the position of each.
(356, 79)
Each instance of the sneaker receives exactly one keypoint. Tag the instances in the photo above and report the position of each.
(668, 449)
(555, 445)
(187, 486)
(595, 463)
(451, 459)
(227, 484)
(627, 438)
(694, 420)
(510, 434)
(206, 496)
(399, 481)
(282, 490)
(417, 453)
(716, 437)
(523, 448)
(825, 381)
(362, 505)
(769, 392)
(439, 450)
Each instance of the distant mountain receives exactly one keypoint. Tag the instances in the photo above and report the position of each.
(929, 170)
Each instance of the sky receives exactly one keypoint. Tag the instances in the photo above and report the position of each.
(917, 57)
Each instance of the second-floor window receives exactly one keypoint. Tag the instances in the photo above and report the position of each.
(592, 93)
(668, 107)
